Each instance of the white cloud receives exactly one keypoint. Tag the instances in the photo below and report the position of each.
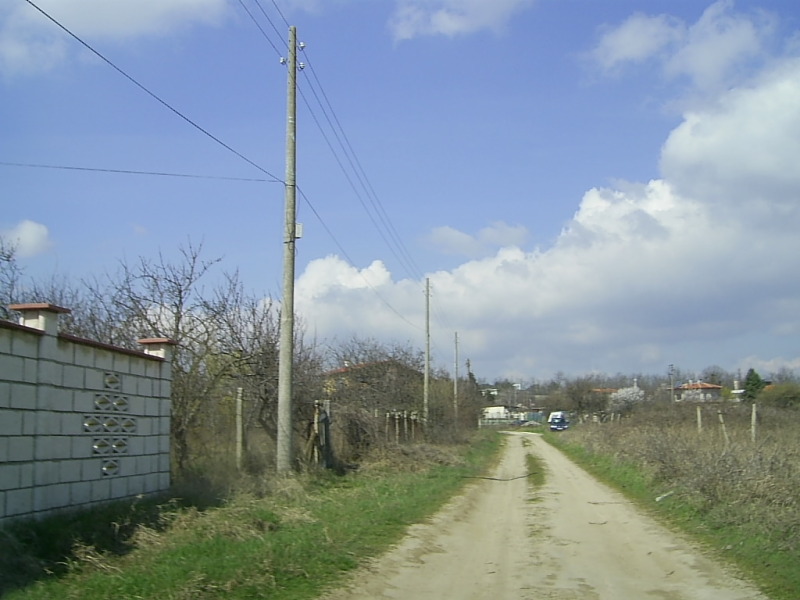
(448, 240)
(28, 238)
(698, 265)
(719, 44)
(638, 39)
(715, 52)
(414, 18)
(741, 154)
(30, 42)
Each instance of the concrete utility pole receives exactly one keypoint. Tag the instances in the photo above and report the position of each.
(427, 376)
(286, 350)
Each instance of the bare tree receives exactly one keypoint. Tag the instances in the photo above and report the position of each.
(10, 274)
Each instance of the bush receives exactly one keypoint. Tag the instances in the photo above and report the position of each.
(782, 395)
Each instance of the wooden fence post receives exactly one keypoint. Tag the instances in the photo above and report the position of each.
(239, 429)
(753, 420)
(724, 429)
(699, 419)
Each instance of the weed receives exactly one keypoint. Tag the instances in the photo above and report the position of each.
(282, 538)
(738, 494)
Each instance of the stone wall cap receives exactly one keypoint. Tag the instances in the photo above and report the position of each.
(169, 341)
(46, 306)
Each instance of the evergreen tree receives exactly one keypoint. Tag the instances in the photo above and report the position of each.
(753, 384)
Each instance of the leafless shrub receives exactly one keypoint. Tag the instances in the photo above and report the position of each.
(730, 478)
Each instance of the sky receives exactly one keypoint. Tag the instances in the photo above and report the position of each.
(588, 187)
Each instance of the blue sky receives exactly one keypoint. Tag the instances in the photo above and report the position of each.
(589, 186)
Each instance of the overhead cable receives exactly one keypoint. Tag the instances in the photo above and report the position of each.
(131, 172)
(152, 94)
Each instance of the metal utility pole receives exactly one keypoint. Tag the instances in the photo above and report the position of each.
(426, 379)
(455, 383)
(286, 350)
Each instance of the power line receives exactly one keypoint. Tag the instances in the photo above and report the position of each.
(277, 8)
(350, 261)
(261, 29)
(377, 214)
(152, 94)
(132, 172)
(386, 223)
(358, 171)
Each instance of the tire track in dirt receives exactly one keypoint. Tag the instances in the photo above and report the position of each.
(573, 539)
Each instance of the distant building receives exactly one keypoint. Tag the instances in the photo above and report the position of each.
(698, 391)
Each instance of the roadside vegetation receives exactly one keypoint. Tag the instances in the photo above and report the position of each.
(367, 463)
(284, 538)
(733, 488)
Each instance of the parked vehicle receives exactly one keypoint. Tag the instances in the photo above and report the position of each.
(558, 420)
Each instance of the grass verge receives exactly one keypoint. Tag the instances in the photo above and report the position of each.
(292, 542)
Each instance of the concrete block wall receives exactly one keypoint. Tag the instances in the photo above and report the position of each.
(81, 422)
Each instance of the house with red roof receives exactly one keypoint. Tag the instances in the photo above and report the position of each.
(698, 391)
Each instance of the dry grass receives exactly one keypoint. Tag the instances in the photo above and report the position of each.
(723, 476)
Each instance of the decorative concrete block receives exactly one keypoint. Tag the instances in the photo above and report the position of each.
(46, 472)
(69, 471)
(104, 360)
(51, 373)
(5, 341)
(52, 398)
(71, 423)
(151, 483)
(163, 426)
(136, 484)
(83, 401)
(26, 471)
(12, 368)
(74, 376)
(151, 445)
(23, 395)
(26, 345)
(4, 441)
(64, 352)
(138, 367)
(81, 493)
(84, 356)
(101, 489)
(119, 487)
(29, 422)
(47, 423)
(20, 449)
(9, 476)
(91, 470)
(5, 394)
(50, 497)
(80, 447)
(122, 364)
(53, 447)
(94, 379)
(10, 422)
(163, 463)
(30, 370)
(19, 502)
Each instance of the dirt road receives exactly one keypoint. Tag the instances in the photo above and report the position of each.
(572, 539)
